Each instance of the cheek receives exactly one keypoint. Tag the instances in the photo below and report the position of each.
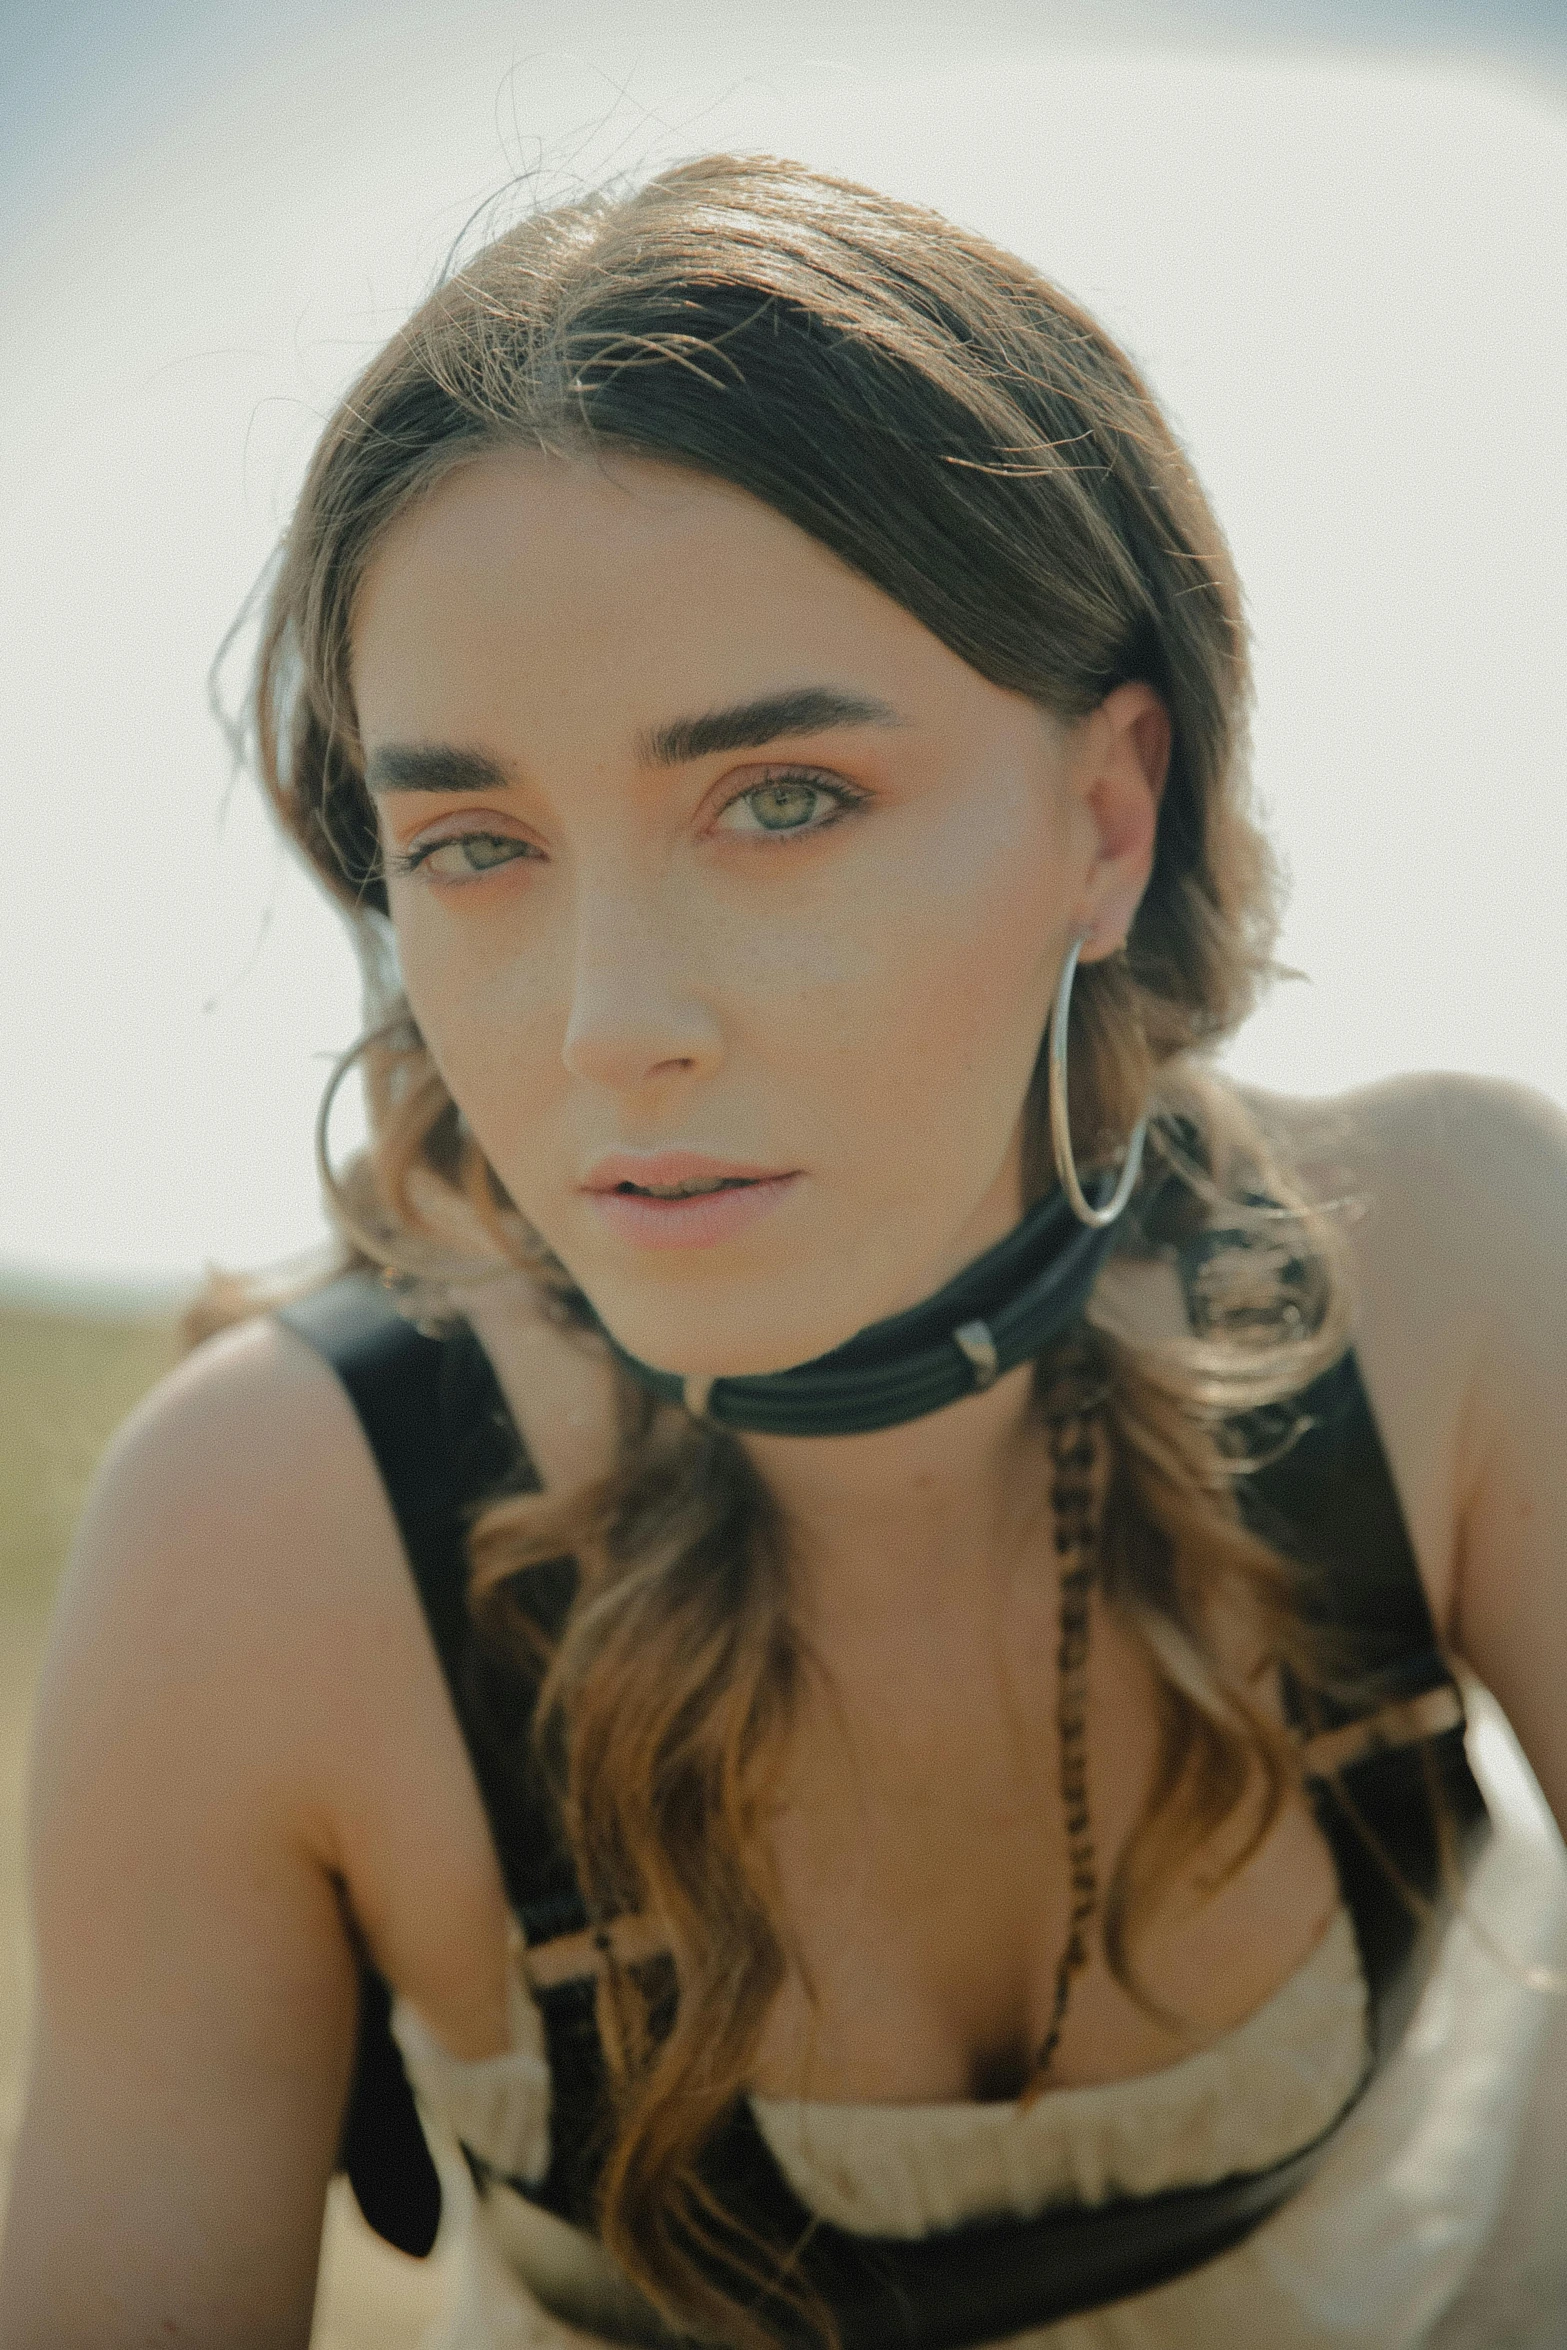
(934, 992)
(480, 1008)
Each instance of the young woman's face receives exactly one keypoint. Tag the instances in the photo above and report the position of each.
(709, 864)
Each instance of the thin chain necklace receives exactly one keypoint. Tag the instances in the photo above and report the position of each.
(1074, 1433)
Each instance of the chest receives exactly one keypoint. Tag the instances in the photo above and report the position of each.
(927, 1875)
(919, 1846)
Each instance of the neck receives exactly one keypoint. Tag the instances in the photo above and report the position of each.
(1004, 1307)
(905, 1450)
(901, 1513)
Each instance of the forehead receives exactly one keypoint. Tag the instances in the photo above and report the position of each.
(589, 584)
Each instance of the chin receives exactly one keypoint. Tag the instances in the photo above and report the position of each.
(746, 1341)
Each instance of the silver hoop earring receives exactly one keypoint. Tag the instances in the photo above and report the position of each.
(1060, 1121)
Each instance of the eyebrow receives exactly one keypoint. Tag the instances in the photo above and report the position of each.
(745, 726)
(434, 767)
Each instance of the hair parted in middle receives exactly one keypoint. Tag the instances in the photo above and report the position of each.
(962, 435)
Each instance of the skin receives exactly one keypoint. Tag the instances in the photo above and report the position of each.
(218, 1808)
(653, 969)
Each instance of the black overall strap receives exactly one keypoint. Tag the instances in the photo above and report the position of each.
(1329, 1500)
(440, 1434)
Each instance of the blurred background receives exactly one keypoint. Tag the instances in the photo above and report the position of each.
(1333, 234)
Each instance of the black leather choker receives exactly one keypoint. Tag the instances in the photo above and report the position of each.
(1003, 1308)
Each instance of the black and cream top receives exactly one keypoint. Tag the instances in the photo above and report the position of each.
(1322, 2175)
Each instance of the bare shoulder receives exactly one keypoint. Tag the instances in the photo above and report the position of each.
(239, 1616)
(1454, 1200)
(1452, 1190)
(1473, 1208)
(1438, 1142)
(234, 1518)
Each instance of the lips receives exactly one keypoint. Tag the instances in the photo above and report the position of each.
(673, 1173)
(682, 1199)
(685, 1190)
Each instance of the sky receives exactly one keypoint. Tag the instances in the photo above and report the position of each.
(1338, 259)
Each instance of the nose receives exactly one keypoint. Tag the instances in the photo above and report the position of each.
(637, 1016)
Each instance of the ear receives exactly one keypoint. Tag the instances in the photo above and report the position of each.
(1119, 762)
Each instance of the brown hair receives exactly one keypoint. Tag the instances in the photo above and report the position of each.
(960, 433)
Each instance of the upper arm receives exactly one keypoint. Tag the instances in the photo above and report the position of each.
(197, 1987)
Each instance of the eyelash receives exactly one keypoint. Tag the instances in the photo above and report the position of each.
(409, 861)
(847, 798)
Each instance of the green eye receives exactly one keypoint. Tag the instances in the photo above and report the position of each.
(781, 806)
(484, 849)
(463, 857)
(790, 803)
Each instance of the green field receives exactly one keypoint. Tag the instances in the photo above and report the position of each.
(67, 1380)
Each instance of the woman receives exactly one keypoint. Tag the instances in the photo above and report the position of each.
(946, 1786)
